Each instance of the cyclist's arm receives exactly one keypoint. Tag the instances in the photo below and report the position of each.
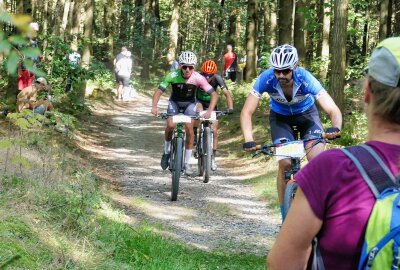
(156, 97)
(213, 101)
(293, 245)
(248, 109)
(328, 105)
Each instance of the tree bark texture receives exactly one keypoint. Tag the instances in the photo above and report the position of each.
(299, 32)
(338, 63)
(251, 40)
(285, 18)
(173, 32)
(383, 19)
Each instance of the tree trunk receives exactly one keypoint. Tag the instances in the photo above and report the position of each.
(173, 32)
(396, 30)
(267, 23)
(88, 33)
(299, 32)
(383, 19)
(285, 17)
(138, 27)
(364, 49)
(109, 10)
(274, 24)
(339, 37)
(251, 40)
(64, 21)
(326, 26)
(76, 20)
(389, 18)
(146, 43)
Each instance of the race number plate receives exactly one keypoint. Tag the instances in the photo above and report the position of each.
(294, 149)
(181, 118)
(212, 118)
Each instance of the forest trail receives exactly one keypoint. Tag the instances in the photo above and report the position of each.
(125, 141)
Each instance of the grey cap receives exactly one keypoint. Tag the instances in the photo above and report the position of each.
(384, 64)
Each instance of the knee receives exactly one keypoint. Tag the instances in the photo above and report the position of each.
(284, 164)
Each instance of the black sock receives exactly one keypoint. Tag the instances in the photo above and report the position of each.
(214, 152)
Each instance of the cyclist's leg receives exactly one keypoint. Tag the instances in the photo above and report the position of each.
(196, 123)
(281, 130)
(311, 126)
(190, 110)
(172, 110)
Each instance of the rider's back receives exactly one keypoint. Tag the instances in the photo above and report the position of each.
(340, 197)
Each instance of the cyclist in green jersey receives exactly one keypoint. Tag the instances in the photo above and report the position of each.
(184, 82)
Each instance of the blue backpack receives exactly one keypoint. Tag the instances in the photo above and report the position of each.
(382, 236)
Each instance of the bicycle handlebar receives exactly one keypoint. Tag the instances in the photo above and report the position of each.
(197, 117)
(266, 149)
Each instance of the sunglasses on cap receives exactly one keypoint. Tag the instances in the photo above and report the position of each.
(283, 71)
(188, 67)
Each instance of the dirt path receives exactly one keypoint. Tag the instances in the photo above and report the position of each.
(126, 143)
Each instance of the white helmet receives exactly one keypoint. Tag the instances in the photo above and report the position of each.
(187, 58)
(283, 57)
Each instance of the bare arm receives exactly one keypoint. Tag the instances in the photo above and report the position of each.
(229, 100)
(328, 105)
(248, 109)
(293, 245)
(213, 102)
(156, 97)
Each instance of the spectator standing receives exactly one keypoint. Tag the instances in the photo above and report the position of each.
(174, 65)
(229, 64)
(123, 68)
(74, 59)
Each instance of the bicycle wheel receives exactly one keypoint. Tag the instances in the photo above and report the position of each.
(176, 168)
(199, 149)
(290, 191)
(207, 152)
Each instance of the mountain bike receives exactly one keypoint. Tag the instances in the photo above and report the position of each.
(177, 157)
(296, 151)
(204, 146)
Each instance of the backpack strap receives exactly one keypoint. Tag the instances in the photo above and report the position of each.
(372, 168)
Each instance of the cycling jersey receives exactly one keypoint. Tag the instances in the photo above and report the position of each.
(306, 90)
(185, 89)
(216, 80)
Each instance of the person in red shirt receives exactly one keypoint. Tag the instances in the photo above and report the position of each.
(229, 64)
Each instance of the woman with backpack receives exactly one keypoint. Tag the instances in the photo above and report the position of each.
(338, 189)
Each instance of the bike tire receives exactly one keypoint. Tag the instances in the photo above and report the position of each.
(200, 165)
(176, 168)
(207, 152)
(290, 191)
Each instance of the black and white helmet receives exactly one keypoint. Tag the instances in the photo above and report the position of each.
(187, 58)
(284, 57)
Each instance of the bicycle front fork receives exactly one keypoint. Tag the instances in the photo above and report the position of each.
(294, 168)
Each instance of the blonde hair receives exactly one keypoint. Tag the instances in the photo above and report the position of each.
(386, 101)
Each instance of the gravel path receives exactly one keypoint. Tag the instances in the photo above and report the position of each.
(126, 142)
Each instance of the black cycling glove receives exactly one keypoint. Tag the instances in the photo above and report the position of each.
(332, 130)
(249, 145)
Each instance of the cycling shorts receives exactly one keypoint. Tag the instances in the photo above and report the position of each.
(206, 105)
(307, 123)
(187, 108)
(124, 80)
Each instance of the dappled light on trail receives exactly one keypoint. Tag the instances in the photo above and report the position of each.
(126, 143)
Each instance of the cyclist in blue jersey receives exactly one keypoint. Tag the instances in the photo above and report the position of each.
(293, 92)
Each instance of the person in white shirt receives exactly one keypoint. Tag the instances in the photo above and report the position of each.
(123, 69)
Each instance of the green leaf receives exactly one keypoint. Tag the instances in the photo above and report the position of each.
(28, 63)
(22, 123)
(5, 17)
(17, 40)
(31, 52)
(5, 143)
(5, 46)
(12, 62)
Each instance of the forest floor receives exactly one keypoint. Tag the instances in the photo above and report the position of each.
(125, 143)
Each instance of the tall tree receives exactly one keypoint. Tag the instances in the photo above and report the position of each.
(88, 33)
(251, 40)
(326, 25)
(64, 20)
(383, 19)
(299, 37)
(173, 32)
(109, 11)
(396, 28)
(338, 63)
(146, 41)
(285, 18)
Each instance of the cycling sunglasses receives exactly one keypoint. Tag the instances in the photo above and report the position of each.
(283, 71)
(186, 67)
